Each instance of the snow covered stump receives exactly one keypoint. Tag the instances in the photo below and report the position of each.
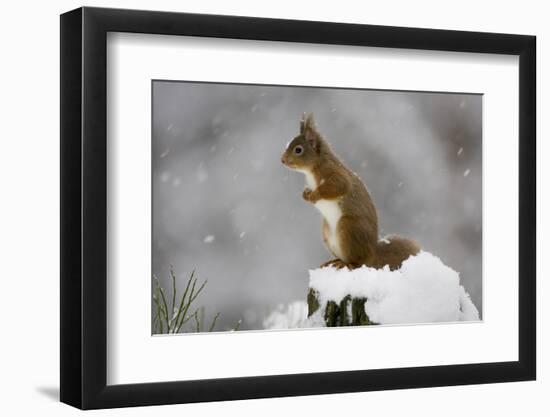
(348, 312)
(423, 290)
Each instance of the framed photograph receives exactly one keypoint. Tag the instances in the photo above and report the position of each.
(257, 208)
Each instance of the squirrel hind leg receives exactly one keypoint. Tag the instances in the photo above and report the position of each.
(332, 262)
(335, 263)
(357, 241)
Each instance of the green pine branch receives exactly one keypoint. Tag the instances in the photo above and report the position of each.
(171, 318)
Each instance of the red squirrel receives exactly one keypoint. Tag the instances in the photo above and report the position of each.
(350, 222)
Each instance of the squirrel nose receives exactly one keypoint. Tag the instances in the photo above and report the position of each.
(283, 159)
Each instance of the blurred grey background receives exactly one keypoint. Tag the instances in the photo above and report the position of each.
(224, 205)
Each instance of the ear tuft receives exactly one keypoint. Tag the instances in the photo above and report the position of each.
(307, 123)
(302, 122)
(307, 128)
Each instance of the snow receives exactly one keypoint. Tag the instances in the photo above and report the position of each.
(466, 173)
(460, 152)
(423, 290)
(289, 317)
(468, 311)
(202, 173)
(209, 239)
(293, 316)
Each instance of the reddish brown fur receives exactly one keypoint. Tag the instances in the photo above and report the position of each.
(357, 229)
(395, 252)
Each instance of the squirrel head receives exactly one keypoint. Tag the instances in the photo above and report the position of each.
(304, 151)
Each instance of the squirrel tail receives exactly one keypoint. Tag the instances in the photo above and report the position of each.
(393, 250)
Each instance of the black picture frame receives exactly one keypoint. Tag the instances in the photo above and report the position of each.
(84, 207)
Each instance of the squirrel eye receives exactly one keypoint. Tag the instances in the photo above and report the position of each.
(298, 150)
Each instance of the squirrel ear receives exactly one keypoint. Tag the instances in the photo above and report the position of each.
(307, 122)
(302, 123)
(310, 132)
(308, 127)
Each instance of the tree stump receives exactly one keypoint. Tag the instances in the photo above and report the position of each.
(348, 312)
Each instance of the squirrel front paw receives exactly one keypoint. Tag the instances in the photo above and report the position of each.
(306, 195)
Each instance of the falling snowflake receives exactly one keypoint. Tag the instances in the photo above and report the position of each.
(202, 173)
(460, 152)
(209, 239)
(466, 173)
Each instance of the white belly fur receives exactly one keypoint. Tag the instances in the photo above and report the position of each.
(331, 212)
